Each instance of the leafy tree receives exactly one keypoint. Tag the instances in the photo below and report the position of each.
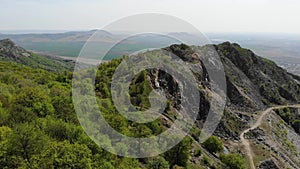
(213, 144)
(179, 155)
(95, 149)
(106, 165)
(64, 155)
(4, 116)
(205, 160)
(103, 159)
(195, 133)
(139, 131)
(62, 103)
(158, 163)
(233, 161)
(31, 102)
(6, 94)
(139, 91)
(26, 141)
(156, 127)
(127, 163)
(58, 129)
(197, 152)
(5, 133)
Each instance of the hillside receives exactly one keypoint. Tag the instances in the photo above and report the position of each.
(253, 84)
(9, 51)
(39, 127)
(257, 76)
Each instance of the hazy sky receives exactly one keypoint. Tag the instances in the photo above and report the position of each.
(207, 15)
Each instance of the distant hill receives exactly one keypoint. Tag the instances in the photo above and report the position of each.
(47, 37)
(281, 48)
(70, 43)
(9, 51)
(64, 44)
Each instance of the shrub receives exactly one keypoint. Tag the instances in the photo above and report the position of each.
(213, 144)
(233, 161)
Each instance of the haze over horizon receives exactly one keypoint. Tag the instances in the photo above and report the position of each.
(57, 31)
(232, 16)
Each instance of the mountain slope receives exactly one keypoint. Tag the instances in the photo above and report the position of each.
(253, 84)
(39, 106)
(9, 51)
(273, 83)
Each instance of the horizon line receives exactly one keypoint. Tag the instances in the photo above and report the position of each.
(57, 31)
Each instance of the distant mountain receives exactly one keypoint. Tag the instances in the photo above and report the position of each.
(58, 37)
(9, 51)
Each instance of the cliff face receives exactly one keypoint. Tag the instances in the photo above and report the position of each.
(253, 82)
(258, 78)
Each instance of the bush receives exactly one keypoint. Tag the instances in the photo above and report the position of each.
(233, 161)
(197, 153)
(158, 163)
(213, 144)
(205, 160)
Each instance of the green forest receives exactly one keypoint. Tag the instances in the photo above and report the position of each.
(39, 127)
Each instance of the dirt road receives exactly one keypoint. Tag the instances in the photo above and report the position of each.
(255, 125)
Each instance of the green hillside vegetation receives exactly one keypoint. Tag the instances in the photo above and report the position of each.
(39, 127)
(290, 116)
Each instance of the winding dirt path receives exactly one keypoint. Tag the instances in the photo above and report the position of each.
(258, 122)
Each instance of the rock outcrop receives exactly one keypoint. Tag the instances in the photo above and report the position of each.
(268, 164)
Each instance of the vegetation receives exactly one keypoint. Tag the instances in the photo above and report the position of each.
(290, 116)
(213, 144)
(158, 163)
(179, 155)
(205, 161)
(39, 127)
(233, 161)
